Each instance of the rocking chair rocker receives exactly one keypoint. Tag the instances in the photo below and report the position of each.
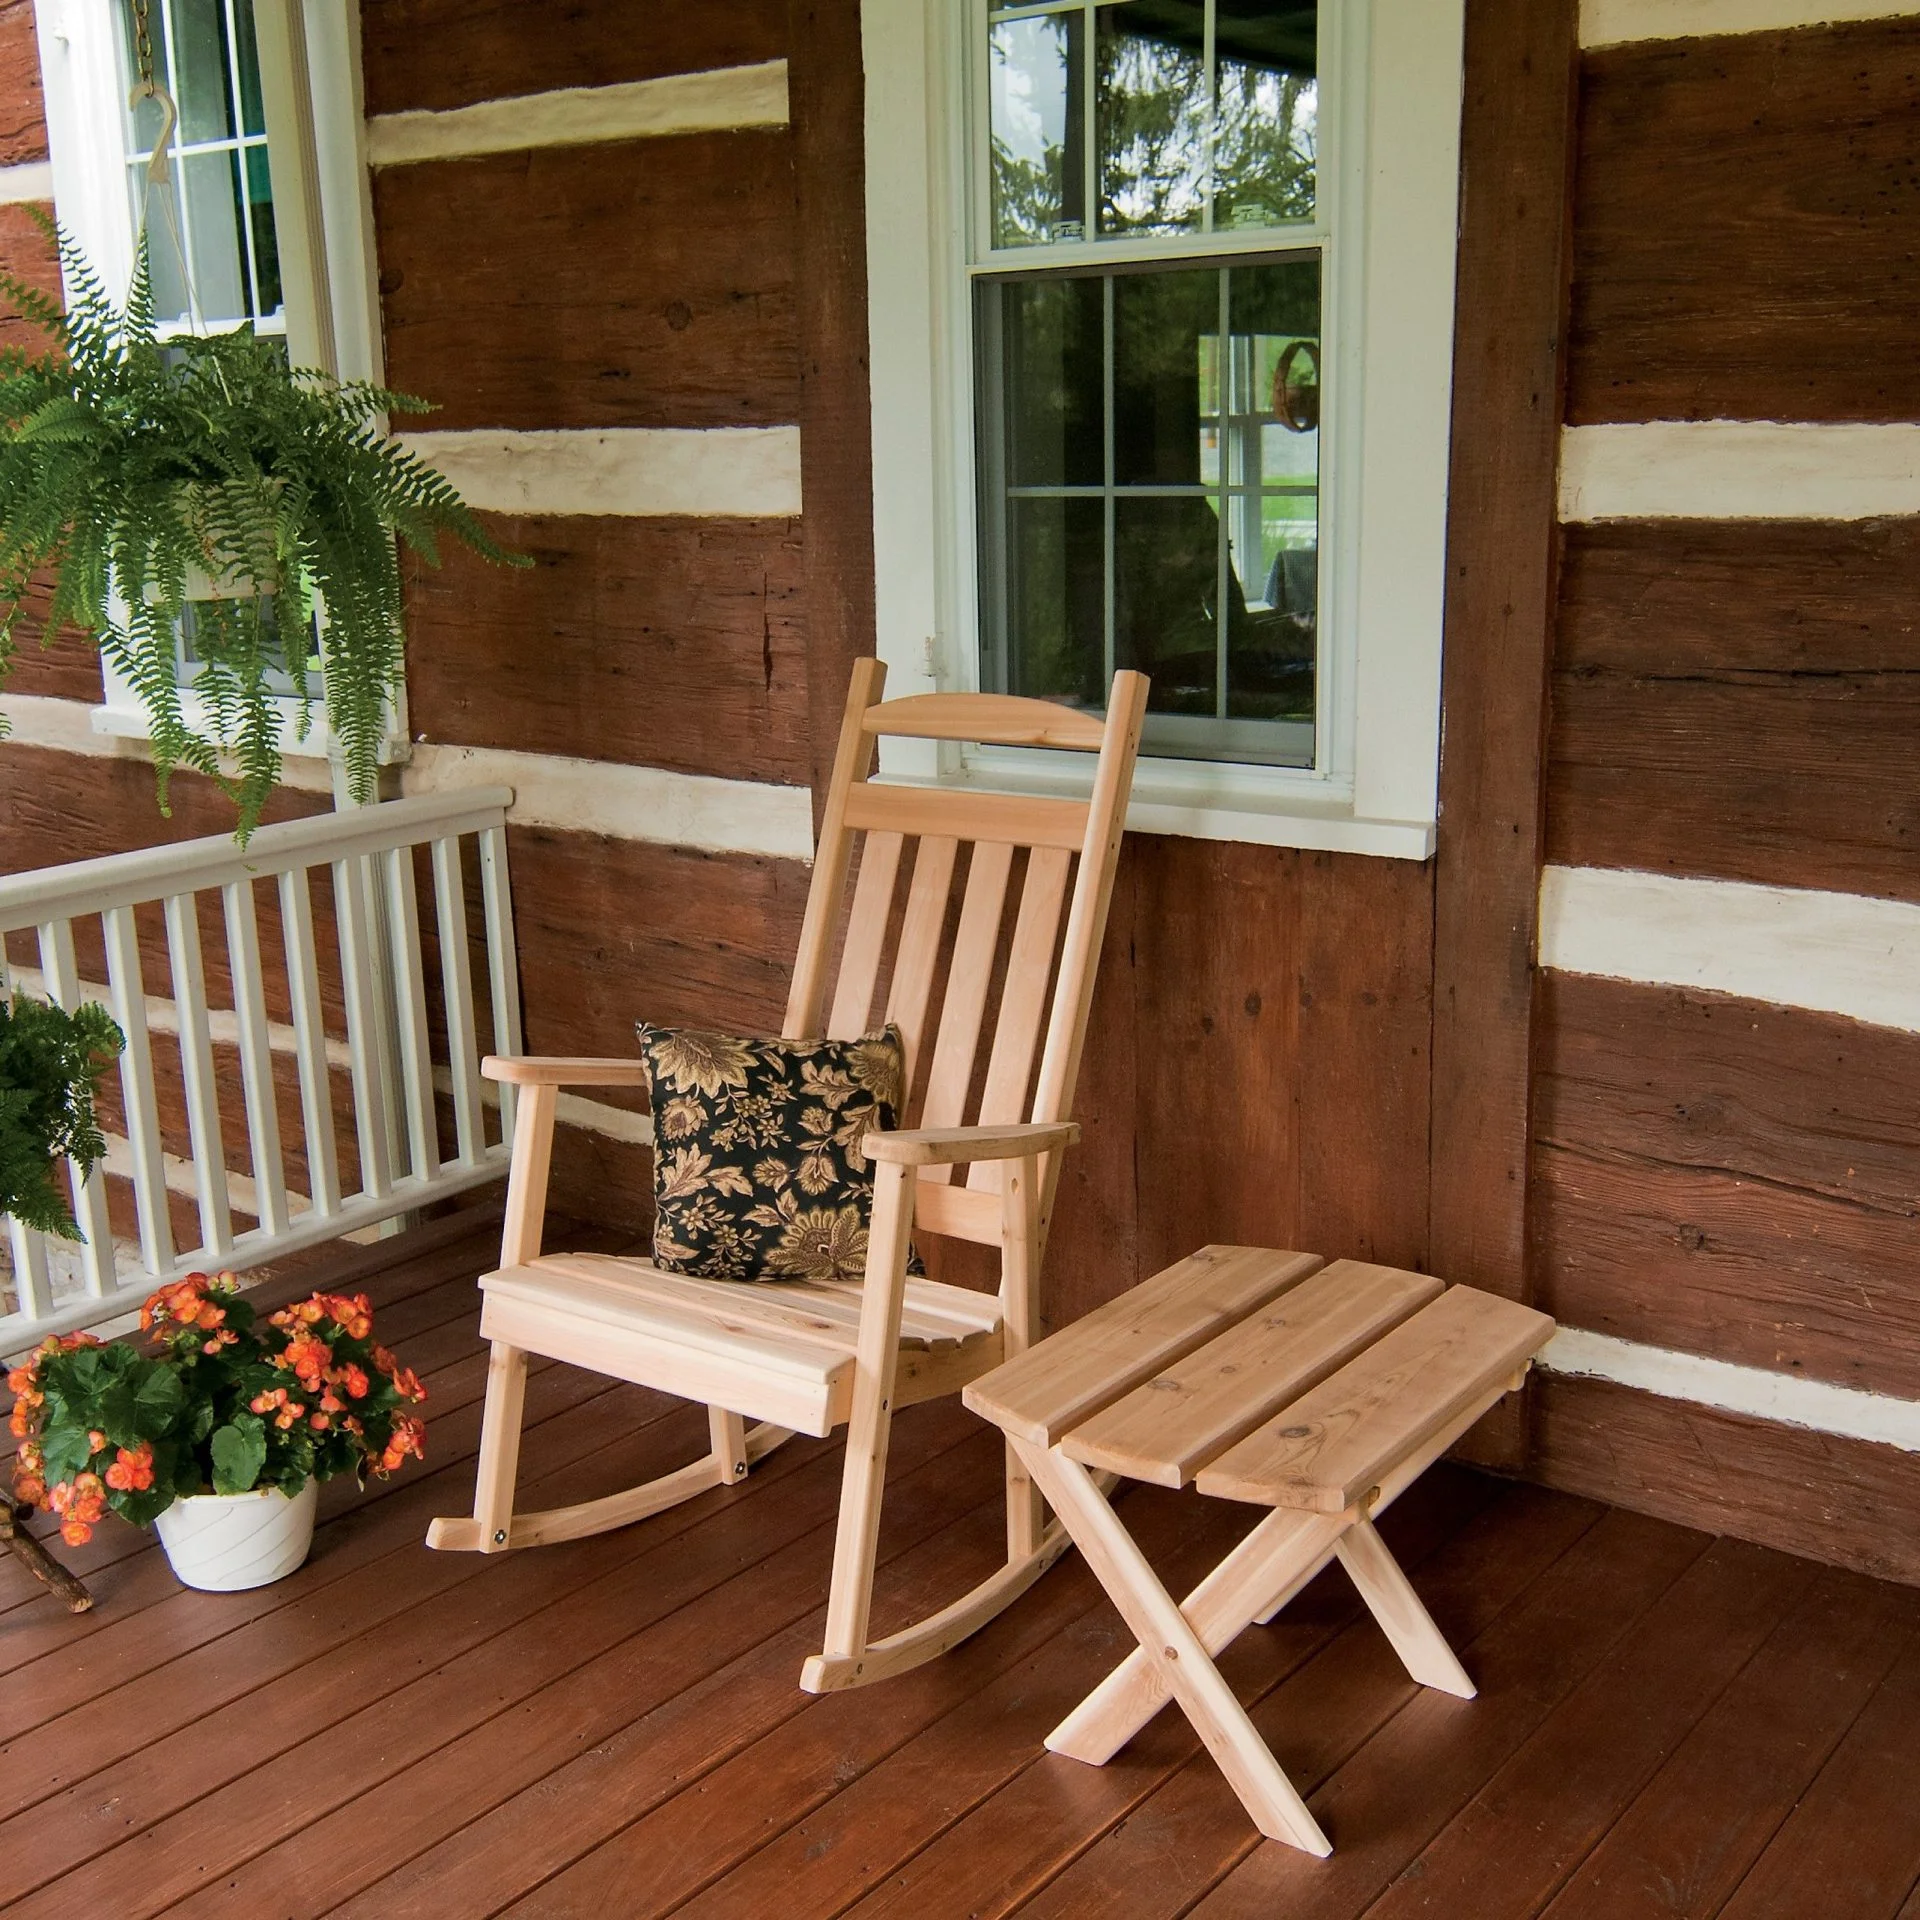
(810, 1356)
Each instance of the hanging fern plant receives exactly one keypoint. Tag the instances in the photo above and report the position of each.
(50, 1067)
(201, 478)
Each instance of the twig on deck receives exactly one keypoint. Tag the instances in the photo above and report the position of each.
(39, 1561)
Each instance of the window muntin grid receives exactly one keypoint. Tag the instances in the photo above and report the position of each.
(206, 56)
(1197, 121)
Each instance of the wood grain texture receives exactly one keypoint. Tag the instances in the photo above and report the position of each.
(68, 669)
(1850, 1503)
(23, 127)
(1672, 598)
(612, 931)
(664, 643)
(452, 53)
(1746, 241)
(1783, 779)
(1516, 163)
(1731, 1179)
(826, 95)
(643, 283)
(26, 253)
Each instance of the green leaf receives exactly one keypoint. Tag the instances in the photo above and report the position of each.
(66, 1452)
(239, 1452)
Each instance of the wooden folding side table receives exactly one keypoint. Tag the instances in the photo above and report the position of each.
(1319, 1390)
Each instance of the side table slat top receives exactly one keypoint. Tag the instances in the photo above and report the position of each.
(1325, 1451)
(1165, 1430)
(1070, 1376)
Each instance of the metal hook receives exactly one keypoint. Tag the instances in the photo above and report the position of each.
(157, 168)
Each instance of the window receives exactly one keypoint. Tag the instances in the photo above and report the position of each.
(1147, 436)
(1164, 382)
(266, 197)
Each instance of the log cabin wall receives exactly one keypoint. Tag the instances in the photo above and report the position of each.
(1726, 1096)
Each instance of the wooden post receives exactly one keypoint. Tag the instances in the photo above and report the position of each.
(1516, 166)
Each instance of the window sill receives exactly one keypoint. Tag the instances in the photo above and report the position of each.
(1194, 803)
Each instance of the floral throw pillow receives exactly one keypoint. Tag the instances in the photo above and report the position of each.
(757, 1167)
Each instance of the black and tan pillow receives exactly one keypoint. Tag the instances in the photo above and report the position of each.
(757, 1167)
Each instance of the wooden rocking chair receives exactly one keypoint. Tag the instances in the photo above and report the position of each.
(808, 1357)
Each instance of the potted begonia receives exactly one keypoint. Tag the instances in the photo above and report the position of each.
(219, 1434)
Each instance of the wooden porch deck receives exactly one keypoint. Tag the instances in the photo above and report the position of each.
(1668, 1723)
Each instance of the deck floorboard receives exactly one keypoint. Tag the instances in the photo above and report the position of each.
(1667, 1725)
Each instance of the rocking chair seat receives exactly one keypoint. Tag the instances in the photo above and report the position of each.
(781, 1351)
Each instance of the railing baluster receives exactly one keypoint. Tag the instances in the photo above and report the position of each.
(32, 1289)
(256, 1056)
(310, 1041)
(503, 978)
(62, 975)
(456, 974)
(356, 967)
(196, 1068)
(136, 1091)
(410, 999)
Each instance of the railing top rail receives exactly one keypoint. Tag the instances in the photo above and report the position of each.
(152, 873)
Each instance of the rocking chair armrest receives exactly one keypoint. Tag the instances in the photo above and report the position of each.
(944, 1146)
(560, 1070)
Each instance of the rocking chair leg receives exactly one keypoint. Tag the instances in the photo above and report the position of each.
(1020, 1315)
(500, 1446)
(729, 1435)
(850, 1600)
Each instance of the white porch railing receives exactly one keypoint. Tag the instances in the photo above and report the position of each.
(357, 1024)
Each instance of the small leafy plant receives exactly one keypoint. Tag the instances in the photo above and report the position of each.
(224, 1403)
(50, 1067)
(200, 479)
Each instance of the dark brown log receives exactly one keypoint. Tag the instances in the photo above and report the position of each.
(69, 669)
(826, 91)
(452, 53)
(23, 127)
(1730, 1179)
(38, 1561)
(1673, 598)
(27, 254)
(661, 643)
(1516, 163)
(1748, 239)
(642, 283)
(1851, 1503)
(1791, 780)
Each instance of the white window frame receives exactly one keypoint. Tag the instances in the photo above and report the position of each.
(311, 91)
(1392, 70)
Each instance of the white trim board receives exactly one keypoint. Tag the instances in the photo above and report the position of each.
(627, 802)
(1788, 1398)
(1827, 952)
(1612, 23)
(716, 472)
(1739, 470)
(549, 790)
(710, 102)
(30, 180)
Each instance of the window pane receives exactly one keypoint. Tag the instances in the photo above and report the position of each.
(1055, 599)
(1037, 87)
(214, 241)
(266, 245)
(1272, 439)
(246, 66)
(1164, 328)
(1052, 407)
(1150, 114)
(1265, 149)
(201, 70)
(1166, 587)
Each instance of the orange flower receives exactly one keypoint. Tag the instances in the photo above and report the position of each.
(355, 1380)
(307, 1356)
(409, 1437)
(353, 1313)
(132, 1471)
(28, 1487)
(96, 1440)
(76, 1533)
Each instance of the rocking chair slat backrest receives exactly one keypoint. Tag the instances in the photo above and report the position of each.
(969, 975)
(1046, 979)
(1016, 1038)
(866, 942)
(919, 950)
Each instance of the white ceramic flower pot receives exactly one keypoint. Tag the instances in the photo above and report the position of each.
(226, 1542)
